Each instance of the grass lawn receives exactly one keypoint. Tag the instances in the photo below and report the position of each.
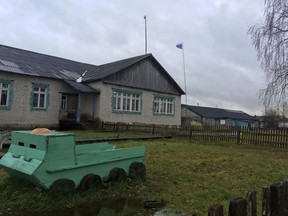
(188, 175)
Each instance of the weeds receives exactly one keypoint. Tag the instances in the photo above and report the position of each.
(189, 176)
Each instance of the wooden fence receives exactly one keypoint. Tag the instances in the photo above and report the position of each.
(264, 137)
(274, 203)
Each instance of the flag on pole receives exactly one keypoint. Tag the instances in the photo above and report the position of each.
(179, 45)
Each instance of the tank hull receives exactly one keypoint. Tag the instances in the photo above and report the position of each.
(44, 159)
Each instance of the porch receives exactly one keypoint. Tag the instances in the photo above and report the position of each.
(79, 106)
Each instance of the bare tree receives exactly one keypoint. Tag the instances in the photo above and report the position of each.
(270, 40)
(271, 118)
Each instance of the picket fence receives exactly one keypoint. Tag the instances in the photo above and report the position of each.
(264, 137)
(258, 136)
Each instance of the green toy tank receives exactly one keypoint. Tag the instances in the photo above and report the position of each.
(52, 161)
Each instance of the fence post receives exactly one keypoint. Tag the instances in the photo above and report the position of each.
(251, 203)
(127, 126)
(190, 134)
(285, 196)
(238, 207)
(238, 135)
(278, 197)
(153, 130)
(266, 211)
(215, 210)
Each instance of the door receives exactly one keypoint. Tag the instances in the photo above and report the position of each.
(72, 106)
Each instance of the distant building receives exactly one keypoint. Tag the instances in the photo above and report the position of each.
(216, 116)
(38, 90)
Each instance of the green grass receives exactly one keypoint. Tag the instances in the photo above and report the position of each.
(188, 175)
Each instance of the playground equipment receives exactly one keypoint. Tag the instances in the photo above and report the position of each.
(52, 161)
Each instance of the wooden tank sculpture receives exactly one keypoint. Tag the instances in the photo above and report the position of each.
(52, 161)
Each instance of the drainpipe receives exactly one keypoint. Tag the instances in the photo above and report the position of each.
(93, 106)
(78, 109)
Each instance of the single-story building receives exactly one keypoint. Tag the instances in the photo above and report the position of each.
(38, 90)
(217, 116)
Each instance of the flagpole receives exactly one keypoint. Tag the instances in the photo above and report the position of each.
(184, 73)
(145, 34)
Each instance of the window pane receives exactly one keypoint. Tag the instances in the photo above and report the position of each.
(119, 104)
(137, 107)
(133, 105)
(4, 85)
(128, 104)
(42, 101)
(64, 102)
(4, 97)
(171, 108)
(35, 100)
(124, 104)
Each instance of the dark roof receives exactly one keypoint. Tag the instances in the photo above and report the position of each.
(80, 87)
(218, 113)
(21, 61)
(31, 63)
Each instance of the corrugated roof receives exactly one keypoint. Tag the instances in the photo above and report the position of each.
(31, 63)
(21, 61)
(80, 87)
(218, 113)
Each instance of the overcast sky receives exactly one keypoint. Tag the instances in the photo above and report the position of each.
(221, 65)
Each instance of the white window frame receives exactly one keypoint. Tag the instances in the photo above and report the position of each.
(126, 101)
(164, 105)
(40, 96)
(64, 102)
(2, 90)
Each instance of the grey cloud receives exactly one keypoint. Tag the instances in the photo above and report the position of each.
(221, 65)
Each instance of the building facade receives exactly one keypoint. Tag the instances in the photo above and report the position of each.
(37, 90)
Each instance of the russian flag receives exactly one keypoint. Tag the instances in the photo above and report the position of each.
(179, 45)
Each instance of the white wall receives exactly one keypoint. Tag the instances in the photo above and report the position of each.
(105, 107)
(20, 115)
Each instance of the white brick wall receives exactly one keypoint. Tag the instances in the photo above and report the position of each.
(105, 108)
(20, 115)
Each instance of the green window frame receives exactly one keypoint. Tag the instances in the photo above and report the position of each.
(163, 105)
(40, 96)
(126, 101)
(6, 94)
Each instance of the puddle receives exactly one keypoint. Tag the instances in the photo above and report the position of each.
(121, 207)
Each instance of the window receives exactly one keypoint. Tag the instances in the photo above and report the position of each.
(164, 105)
(6, 93)
(64, 102)
(40, 96)
(126, 101)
